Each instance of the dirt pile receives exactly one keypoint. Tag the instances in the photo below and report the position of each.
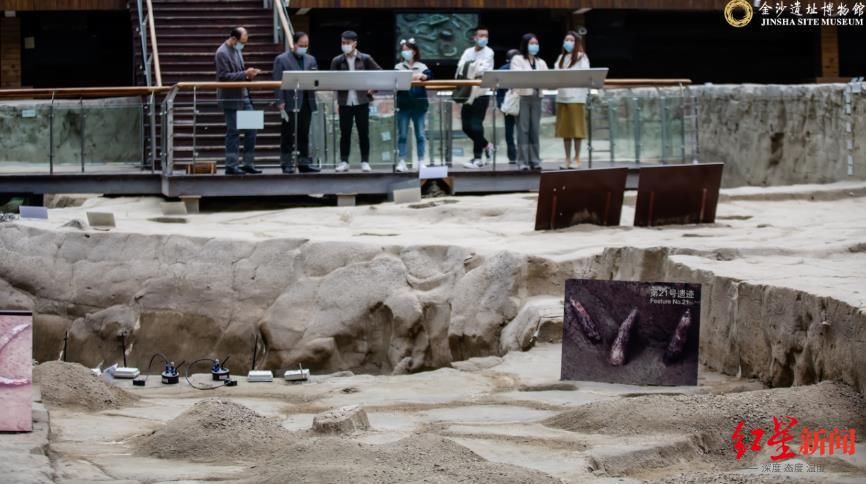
(73, 385)
(703, 424)
(213, 430)
(420, 458)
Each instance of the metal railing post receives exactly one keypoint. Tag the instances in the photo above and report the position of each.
(682, 125)
(141, 143)
(152, 109)
(194, 122)
(611, 130)
(637, 134)
(81, 114)
(589, 128)
(495, 138)
(663, 125)
(51, 135)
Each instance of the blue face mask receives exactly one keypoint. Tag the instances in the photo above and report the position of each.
(239, 46)
(533, 49)
(301, 50)
(568, 46)
(407, 54)
(482, 41)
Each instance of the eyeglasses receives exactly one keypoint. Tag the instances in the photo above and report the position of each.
(410, 41)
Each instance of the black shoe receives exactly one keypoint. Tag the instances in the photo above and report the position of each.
(535, 167)
(288, 169)
(230, 170)
(251, 170)
(308, 169)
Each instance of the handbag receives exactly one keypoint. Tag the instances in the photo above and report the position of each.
(462, 93)
(511, 103)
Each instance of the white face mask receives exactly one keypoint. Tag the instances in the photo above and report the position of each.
(347, 48)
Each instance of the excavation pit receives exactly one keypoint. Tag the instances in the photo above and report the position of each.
(445, 328)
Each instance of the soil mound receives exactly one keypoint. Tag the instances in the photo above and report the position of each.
(826, 405)
(73, 385)
(420, 458)
(212, 430)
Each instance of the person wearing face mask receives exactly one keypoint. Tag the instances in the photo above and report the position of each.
(230, 68)
(354, 105)
(529, 119)
(412, 105)
(570, 113)
(295, 60)
(474, 110)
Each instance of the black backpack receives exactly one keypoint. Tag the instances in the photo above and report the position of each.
(462, 93)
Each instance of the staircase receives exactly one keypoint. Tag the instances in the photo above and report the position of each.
(188, 32)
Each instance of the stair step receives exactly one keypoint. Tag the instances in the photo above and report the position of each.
(257, 3)
(227, 26)
(181, 9)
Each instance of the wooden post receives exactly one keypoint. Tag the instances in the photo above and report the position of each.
(829, 54)
(10, 52)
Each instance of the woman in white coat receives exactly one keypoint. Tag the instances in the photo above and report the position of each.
(570, 112)
(529, 118)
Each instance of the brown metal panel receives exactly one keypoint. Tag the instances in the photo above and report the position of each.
(677, 194)
(30, 5)
(572, 197)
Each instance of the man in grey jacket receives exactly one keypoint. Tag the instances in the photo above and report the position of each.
(230, 68)
(295, 118)
(354, 105)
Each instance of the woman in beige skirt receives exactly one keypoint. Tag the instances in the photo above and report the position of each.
(570, 113)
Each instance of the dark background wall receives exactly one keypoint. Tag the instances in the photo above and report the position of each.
(76, 49)
(633, 43)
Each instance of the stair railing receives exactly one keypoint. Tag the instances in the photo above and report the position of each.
(283, 30)
(149, 57)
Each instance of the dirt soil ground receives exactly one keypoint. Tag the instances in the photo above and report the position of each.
(497, 420)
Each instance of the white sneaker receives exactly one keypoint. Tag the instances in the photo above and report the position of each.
(488, 150)
(421, 162)
(472, 164)
(365, 167)
(342, 167)
(479, 163)
(401, 167)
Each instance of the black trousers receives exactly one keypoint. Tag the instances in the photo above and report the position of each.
(287, 137)
(359, 116)
(510, 122)
(472, 117)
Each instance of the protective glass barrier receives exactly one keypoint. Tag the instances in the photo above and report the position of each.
(66, 136)
(25, 139)
(645, 125)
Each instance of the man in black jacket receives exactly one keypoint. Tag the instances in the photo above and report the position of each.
(295, 60)
(230, 68)
(354, 105)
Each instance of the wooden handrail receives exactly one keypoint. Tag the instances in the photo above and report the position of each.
(94, 92)
(152, 28)
(80, 92)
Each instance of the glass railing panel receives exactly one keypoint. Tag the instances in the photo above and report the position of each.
(24, 143)
(113, 135)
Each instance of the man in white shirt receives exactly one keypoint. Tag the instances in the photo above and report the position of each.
(475, 109)
(354, 105)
